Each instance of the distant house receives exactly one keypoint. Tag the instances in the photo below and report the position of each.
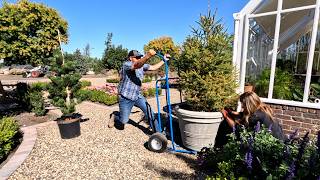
(277, 49)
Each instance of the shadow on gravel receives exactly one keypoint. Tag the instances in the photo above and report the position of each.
(173, 174)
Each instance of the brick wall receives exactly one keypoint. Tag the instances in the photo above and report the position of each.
(291, 118)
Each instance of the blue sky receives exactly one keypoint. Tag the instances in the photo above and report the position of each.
(134, 22)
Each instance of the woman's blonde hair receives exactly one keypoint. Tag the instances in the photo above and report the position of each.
(251, 103)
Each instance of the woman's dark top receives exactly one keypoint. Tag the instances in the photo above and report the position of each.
(262, 117)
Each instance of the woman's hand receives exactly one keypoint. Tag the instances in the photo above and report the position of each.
(225, 113)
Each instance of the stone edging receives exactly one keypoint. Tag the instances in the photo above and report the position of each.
(25, 148)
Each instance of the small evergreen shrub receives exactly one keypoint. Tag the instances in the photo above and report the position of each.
(9, 136)
(83, 95)
(96, 96)
(146, 80)
(85, 83)
(39, 86)
(151, 92)
(104, 98)
(113, 80)
(37, 103)
(31, 97)
(64, 85)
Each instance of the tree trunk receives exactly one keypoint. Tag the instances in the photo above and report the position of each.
(68, 96)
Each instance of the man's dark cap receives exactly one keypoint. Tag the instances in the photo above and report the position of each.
(134, 53)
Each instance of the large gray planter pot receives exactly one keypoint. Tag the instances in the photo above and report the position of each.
(198, 129)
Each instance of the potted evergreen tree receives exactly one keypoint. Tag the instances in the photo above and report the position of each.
(207, 80)
(62, 87)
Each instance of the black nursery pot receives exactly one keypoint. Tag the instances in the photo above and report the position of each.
(69, 128)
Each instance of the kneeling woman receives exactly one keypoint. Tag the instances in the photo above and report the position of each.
(253, 111)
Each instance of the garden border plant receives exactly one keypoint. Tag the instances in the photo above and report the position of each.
(257, 154)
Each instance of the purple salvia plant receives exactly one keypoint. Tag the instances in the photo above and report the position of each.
(257, 128)
(248, 159)
(234, 130)
(249, 156)
(291, 174)
(200, 160)
(303, 145)
(318, 143)
(270, 128)
(293, 135)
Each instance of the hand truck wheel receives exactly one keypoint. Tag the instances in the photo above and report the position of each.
(157, 142)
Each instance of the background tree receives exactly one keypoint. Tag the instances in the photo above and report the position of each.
(29, 32)
(113, 56)
(165, 45)
(86, 50)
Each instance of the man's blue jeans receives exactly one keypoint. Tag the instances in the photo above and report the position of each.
(125, 107)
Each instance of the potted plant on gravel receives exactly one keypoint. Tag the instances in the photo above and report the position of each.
(61, 89)
(207, 80)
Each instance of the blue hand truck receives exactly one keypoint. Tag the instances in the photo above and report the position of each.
(158, 141)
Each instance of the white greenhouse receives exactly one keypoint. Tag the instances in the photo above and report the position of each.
(277, 49)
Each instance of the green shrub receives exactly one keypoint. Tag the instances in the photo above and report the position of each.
(96, 96)
(258, 155)
(104, 98)
(9, 136)
(31, 97)
(146, 80)
(39, 86)
(151, 92)
(37, 103)
(83, 95)
(85, 83)
(113, 80)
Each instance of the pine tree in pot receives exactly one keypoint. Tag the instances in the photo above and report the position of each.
(207, 80)
(61, 89)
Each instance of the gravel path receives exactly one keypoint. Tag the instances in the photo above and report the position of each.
(103, 153)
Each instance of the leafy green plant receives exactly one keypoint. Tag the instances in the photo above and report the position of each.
(285, 86)
(314, 92)
(256, 154)
(9, 136)
(207, 73)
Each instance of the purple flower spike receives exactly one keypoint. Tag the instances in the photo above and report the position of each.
(234, 129)
(257, 128)
(248, 159)
(291, 171)
(318, 144)
(293, 134)
(270, 128)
